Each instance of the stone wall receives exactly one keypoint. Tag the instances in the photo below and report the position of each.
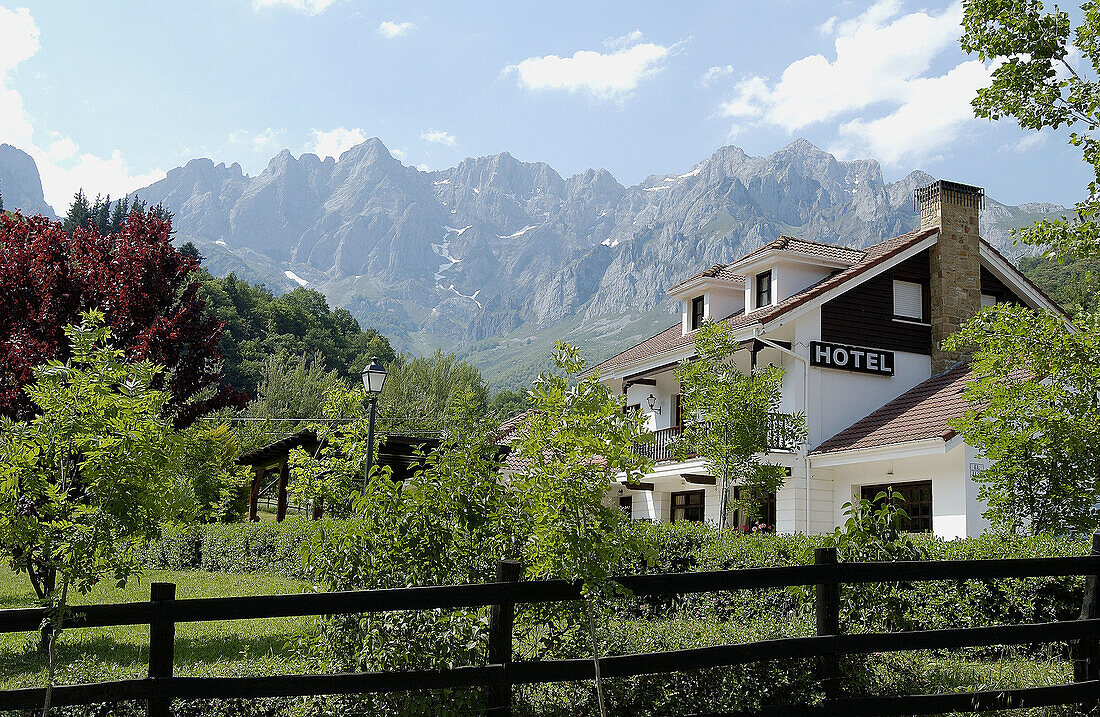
(955, 287)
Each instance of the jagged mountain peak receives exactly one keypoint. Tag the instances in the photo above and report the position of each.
(20, 183)
(473, 252)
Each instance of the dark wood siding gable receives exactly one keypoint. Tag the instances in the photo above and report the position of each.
(995, 287)
(864, 315)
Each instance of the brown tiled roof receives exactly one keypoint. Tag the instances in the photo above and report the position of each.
(722, 272)
(673, 336)
(507, 429)
(920, 413)
(810, 248)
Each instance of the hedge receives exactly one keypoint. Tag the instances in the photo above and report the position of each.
(230, 547)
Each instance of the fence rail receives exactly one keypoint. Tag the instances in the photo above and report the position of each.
(163, 611)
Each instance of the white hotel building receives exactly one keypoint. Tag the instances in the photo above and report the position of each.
(857, 332)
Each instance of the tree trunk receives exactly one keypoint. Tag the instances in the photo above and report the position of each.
(596, 656)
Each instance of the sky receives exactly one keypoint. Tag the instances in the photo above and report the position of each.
(108, 96)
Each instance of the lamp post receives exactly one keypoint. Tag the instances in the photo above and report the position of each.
(374, 377)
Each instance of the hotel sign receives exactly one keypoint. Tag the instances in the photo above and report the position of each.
(851, 358)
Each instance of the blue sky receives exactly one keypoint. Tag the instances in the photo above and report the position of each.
(111, 95)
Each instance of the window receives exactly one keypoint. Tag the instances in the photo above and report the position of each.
(764, 289)
(908, 300)
(767, 517)
(677, 412)
(626, 505)
(696, 312)
(989, 300)
(687, 505)
(916, 501)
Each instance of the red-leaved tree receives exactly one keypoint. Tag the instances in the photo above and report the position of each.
(135, 276)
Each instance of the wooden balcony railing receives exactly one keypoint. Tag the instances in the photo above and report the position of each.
(783, 436)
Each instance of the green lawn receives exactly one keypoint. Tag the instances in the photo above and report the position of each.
(230, 648)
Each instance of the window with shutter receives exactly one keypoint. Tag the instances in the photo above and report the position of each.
(908, 300)
(989, 300)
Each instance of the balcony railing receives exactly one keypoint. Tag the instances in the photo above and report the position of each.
(783, 435)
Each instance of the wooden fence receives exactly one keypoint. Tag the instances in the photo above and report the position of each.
(501, 672)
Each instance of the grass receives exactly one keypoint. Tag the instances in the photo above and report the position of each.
(226, 649)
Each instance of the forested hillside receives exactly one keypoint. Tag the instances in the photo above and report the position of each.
(1074, 283)
(259, 324)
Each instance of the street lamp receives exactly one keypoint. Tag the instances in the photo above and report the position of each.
(374, 377)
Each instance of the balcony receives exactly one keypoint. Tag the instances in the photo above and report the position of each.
(783, 436)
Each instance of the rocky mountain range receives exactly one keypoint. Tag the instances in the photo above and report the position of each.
(496, 257)
(20, 185)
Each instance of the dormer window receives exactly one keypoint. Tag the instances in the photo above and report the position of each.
(764, 289)
(696, 312)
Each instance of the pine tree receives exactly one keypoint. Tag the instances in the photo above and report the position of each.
(101, 211)
(79, 212)
(118, 215)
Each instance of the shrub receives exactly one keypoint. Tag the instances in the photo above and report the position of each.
(740, 687)
(230, 547)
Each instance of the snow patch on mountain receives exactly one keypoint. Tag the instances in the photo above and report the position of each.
(295, 278)
(520, 233)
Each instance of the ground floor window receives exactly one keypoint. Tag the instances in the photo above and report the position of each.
(626, 505)
(687, 505)
(765, 519)
(916, 501)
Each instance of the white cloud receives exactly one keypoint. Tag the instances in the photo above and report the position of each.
(265, 141)
(1028, 142)
(62, 148)
(309, 7)
(618, 43)
(335, 142)
(395, 29)
(715, 73)
(63, 171)
(880, 66)
(438, 136)
(929, 120)
(606, 76)
(398, 154)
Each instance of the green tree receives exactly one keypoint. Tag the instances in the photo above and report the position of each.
(573, 445)
(86, 479)
(79, 213)
(727, 415)
(450, 524)
(259, 324)
(292, 393)
(1035, 414)
(1036, 83)
(507, 403)
(419, 390)
(1072, 282)
(89, 478)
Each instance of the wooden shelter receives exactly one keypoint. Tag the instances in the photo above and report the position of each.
(402, 453)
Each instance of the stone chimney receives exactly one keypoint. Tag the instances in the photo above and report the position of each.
(955, 289)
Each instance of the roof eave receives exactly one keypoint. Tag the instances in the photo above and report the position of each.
(682, 289)
(936, 445)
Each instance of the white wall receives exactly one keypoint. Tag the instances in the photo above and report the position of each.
(976, 521)
(840, 398)
(724, 302)
(952, 515)
(793, 277)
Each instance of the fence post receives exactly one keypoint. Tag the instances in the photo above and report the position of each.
(1086, 652)
(827, 609)
(162, 637)
(501, 618)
